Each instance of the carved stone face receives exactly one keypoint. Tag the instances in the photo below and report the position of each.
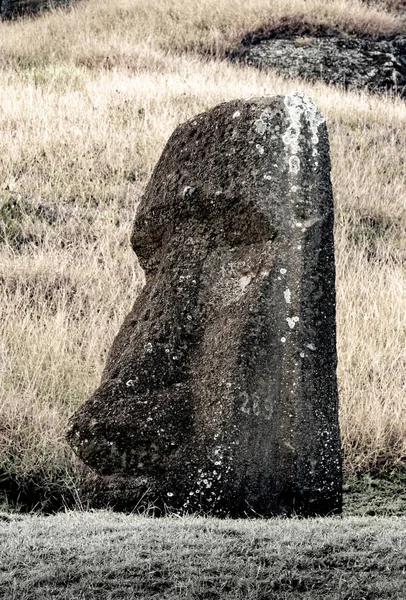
(219, 393)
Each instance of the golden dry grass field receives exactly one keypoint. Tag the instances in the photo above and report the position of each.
(88, 98)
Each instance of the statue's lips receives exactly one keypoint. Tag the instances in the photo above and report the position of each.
(142, 457)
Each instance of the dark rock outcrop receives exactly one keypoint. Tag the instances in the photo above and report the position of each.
(376, 65)
(12, 9)
(220, 393)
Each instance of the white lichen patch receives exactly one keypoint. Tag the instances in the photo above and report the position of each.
(244, 281)
(311, 347)
(260, 127)
(261, 124)
(233, 278)
(236, 114)
(188, 192)
(260, 148)
(245, 408)
(310, 222)
(315, 119)
(288, 296)
(300, 108)
(255, 405)
(291, 321)
(294, 164)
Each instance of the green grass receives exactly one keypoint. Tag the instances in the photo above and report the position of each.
(108, 556)
(375, 496)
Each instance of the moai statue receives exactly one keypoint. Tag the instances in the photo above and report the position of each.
(220, 392)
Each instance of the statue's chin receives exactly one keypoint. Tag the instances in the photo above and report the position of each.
(119, 492)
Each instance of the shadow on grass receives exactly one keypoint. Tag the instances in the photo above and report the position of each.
(363, 495)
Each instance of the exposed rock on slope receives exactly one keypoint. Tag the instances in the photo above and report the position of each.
(11, 9)
(373, 64)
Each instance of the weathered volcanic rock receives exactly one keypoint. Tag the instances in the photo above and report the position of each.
(12, 9)
(220, 389)
(373, 65)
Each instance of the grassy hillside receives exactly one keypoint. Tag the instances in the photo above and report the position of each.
(119, 33)
(88, 98)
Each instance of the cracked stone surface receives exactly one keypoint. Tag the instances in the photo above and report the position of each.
(220, 393)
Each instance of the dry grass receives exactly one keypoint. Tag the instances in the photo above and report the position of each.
(121, 32)
(78, 143)
(391, 5)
